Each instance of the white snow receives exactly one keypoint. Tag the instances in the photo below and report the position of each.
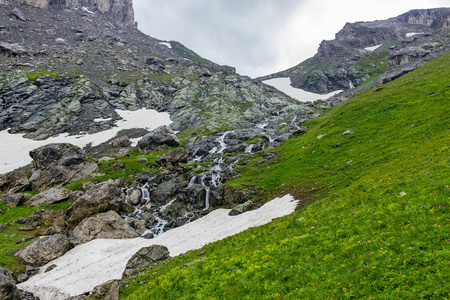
(409, 34)
(166, 44)
(373, 48)
(14, 148)
(284, 85)
(102, 120)
(87, 10)
(91, 264)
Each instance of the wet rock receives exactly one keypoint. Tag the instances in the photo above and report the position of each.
(107, 225)
(103, 197)
(44, 250)
(122, 141)
(8, 288)
(12, 199)
(51, 196)
(59, 164)
(160, 138)
(144, 257)
(14, 182)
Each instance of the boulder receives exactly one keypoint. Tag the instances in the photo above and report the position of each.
(103, 197)
(241, 208)
(12, 199)
(174, 156)
(14, 182)
(59, 164)
(44, 250)
(161, 138)
(18, 14)
(53, 195)
(144, 257)
(154, 61)
(203, 72)
(53, 218)
(107, 225)
(135, 197)
(14, 49)
(123, 141)
(8, 288)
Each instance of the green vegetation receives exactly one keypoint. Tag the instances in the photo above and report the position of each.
(380, 227)
(33, 76)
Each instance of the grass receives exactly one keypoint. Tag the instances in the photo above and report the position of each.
(380, 227)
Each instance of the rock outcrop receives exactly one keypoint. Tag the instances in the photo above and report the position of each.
(8, 288)
(59, 164)
(14, 182)
(144, 257)
(53, 195)
(107, 225)
(161, 138)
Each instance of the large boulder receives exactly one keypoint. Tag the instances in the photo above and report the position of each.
(103, 197)
(14, 49)
(162, 137)
(107, 225)
(144, 257)
(123, 141)
(174, 156)
(53, 195)
(59, 164)
(12, 199)
(8, 288)
(14, 182)
(44, 250)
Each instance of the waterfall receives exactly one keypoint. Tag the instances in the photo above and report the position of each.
(163, 208)
(192, 181)
(249, 148)
(350, 83)
(207, 189)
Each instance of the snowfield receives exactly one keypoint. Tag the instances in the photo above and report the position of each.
(91, 264)
(14, 148)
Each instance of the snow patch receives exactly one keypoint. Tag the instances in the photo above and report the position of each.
(166, 44)
(14, 148)
(410, 34)
(284, 85)
(91, 264)
(85, 9)
(373, 48)
(102, 120)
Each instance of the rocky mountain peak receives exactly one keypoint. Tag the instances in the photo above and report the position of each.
(120, 11)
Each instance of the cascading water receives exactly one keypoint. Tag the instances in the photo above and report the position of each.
(249, 148)
(350, 83)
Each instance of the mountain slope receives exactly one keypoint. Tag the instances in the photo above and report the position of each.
(380, 228)
(364, 51)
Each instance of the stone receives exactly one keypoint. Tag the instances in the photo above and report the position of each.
(101, 290)
(53, 218)
(8, 288)
(44, 250)
(135, 197)
(21, 220)
(26, 228)
(123, 141)
(142, 160)
(18, 14)
(14, 49)
(160, 138)
(51, 196)
(14, 182)
(12, 199)
(144, 257)
(103, 197)
(60, 41)
(203, 72)
(174, 156)
(347, 132)
(113, 293)
(58, 164)
(51, 231)
(154, 61)
(241, 208)
(107, 225)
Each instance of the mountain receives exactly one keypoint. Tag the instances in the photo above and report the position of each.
(370, 53)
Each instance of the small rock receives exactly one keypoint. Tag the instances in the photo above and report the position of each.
(142, 160)
(12, 199)
(347, 132)
(21, 220)
(144, 257)
(154, 61)
(22, 277)
(203, 72)
(320, 136)
(60, 41)
(51, 267)
(79, 62)
(241, 208)
(402, 193)
(26, 228)
(18, 14)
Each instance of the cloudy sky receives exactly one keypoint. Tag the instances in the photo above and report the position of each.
(260, 37)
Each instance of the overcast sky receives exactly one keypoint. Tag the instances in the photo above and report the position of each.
(259, 37)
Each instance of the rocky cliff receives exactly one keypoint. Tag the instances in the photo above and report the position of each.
(352, 57)
(119, 10)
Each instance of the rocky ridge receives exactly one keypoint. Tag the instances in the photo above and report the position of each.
(405, 43)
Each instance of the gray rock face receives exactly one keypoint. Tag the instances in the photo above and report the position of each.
(59, 164)
(144, 257)
(103, 197)
(160, 138)
(8, 289)
(174, 156)
(44, 250)
(12, 199)
(12, 49)
(14, 182)
(107, 225)
(53, 195)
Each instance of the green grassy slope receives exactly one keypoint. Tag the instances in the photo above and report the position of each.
(380, 229)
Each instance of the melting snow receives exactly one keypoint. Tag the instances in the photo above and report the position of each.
(87, 10)
(373, 48)
(166, 44)
(409, 34)
(91, 264)
(14, 148)
(284, 85)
